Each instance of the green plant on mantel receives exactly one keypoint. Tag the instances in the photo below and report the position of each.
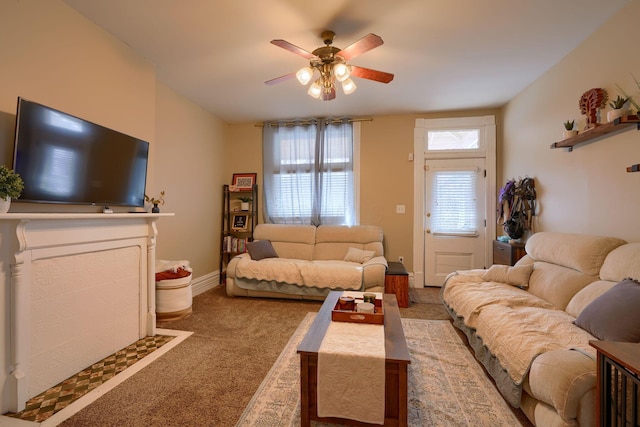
(153, 201)
(568, 125)
(11, 184)
(618, 103)
(245, 199)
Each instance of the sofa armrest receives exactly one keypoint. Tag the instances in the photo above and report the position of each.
(231, 267)
(561, 378)
(376, 260)
(373, 272)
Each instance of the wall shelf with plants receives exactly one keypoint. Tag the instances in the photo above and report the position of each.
(616, 125)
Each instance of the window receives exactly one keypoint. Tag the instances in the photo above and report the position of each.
(454, 202)
(310, 173)
(453, 139)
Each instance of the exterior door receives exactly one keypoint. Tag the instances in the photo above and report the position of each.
(455, 225)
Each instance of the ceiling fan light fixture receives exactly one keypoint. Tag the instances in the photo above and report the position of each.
(348, 86)
(304, 75)
(315, 90)
(341, 72)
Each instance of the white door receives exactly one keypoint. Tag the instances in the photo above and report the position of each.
(455, 226)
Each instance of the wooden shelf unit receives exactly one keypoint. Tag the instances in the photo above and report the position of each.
(231, 208)
(599, 131)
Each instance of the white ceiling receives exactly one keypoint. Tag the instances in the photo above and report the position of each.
(445, 54)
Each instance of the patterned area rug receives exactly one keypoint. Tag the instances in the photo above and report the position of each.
(447, 387)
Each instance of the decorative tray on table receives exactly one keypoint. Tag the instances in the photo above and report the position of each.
(349, 313)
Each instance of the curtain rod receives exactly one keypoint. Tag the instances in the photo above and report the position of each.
(308, 122)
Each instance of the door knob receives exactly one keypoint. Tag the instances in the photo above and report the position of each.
(428, 231)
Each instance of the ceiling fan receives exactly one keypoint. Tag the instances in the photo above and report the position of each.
(331, 64)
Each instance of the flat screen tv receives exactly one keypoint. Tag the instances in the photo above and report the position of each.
(64, 159)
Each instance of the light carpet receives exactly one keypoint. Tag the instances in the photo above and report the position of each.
(447, 387)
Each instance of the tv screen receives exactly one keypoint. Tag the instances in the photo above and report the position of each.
(65, 159)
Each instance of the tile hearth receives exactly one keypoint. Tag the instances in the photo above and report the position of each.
(47, 403)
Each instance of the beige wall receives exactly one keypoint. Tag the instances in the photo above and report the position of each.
(189, 164)
(53, 55)
(50, 54)
(587, 190)
(386, 174)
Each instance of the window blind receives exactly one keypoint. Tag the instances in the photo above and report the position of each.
(453, 205)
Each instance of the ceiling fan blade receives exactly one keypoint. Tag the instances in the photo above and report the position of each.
(280, 79)
(367, 73)
(293, 48)
(361, 46)
(329, 96)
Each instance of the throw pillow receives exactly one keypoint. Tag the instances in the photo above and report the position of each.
(518, 275)
(358, 255)
(261, 249)
(614, 315)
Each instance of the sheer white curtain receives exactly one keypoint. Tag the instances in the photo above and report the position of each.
(309, 172)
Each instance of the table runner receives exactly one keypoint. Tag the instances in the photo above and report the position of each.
(351, 372)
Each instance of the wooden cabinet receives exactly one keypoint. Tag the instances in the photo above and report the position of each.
(237, 224)
(396, 281)
(507, 253)
(618, 402)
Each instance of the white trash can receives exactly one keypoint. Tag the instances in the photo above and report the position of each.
(174, 297)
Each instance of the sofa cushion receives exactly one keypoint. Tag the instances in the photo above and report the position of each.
(577, 251)
(587, 295)
(622, 262)
(614, 315)
(261, 249)
(557, 284)
(358, 255)
(290, 241)
(515, 276)
(333, 241)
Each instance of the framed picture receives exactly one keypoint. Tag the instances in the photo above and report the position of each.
(243, 181)
(239, 222)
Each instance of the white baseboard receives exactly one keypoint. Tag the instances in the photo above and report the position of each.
(204, 283)
(412, 280)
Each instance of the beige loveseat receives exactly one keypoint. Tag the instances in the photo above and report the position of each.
(310, 261)
(520, 320)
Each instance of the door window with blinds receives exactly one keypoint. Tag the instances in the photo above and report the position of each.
(309, 172)
(454, 202)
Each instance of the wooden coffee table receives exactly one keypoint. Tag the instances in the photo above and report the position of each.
(397, 359)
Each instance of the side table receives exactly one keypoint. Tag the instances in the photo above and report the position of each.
(396, 281)
(507, 253)
(618, 383)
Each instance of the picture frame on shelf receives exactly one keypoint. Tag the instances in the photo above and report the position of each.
(243, 181)
(240, 222)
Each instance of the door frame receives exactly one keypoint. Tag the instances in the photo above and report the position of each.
(487, 125)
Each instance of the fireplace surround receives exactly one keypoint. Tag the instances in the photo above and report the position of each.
(75, 288)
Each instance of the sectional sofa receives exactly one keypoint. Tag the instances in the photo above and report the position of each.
(530, 325)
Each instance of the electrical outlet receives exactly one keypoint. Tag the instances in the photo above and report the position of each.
(401, 259)
(400, 209)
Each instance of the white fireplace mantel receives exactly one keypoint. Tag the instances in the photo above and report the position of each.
(55, 258)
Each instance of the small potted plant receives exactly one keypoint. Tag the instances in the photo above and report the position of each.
(11, 187)
(568, 129)
(618, 108)
(155, 202)
(244, 203)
